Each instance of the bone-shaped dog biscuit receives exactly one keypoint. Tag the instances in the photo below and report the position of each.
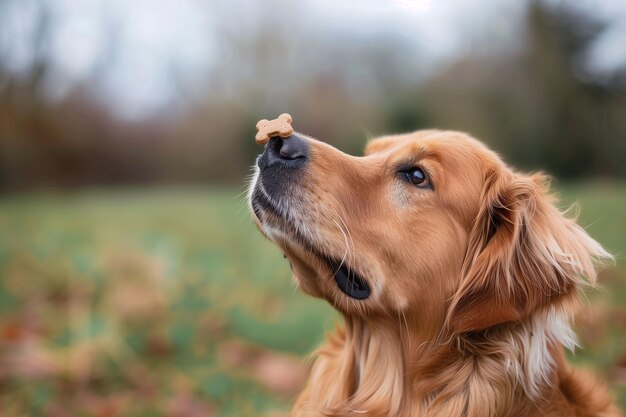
(267, 129)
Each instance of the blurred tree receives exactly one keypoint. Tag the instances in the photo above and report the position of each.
(534, 103)
(577, 134)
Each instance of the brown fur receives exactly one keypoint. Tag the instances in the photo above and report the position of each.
(473, 283)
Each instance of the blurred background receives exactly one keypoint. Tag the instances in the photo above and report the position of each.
(132, 281)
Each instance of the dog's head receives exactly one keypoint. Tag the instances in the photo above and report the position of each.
(431, 223)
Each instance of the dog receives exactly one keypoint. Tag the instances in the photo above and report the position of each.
(457, 278)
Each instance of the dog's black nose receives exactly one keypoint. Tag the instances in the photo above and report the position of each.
(290, 152)
(293, 148)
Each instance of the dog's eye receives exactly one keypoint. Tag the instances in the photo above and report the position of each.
(415, 176)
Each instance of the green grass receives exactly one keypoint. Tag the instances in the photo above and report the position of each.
(169, 302)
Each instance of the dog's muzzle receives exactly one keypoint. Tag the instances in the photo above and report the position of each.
(281, 162)
(281, 166)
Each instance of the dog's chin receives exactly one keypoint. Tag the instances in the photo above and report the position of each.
(310, 266)
(304, 256)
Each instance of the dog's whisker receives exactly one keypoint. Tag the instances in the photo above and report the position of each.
(341, 218)
(345, 255)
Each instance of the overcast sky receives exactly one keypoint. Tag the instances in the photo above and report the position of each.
(127, 52)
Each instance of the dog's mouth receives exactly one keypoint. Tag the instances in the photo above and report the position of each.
(350, 282)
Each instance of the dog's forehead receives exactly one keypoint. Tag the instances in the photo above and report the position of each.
(408, 149)
(454, 147)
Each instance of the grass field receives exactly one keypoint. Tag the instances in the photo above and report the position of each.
(170, 303)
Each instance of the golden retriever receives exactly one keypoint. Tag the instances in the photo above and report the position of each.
(456, 275)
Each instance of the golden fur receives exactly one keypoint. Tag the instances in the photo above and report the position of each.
(473, 283)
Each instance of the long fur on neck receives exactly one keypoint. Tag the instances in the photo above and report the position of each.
(364, 371)
(359, 366)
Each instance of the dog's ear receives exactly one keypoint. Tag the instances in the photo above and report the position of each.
(523, 254)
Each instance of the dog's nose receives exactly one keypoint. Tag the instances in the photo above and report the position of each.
(291, 151)
(292, 148)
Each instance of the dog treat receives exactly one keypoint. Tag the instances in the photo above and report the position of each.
(266, 129)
